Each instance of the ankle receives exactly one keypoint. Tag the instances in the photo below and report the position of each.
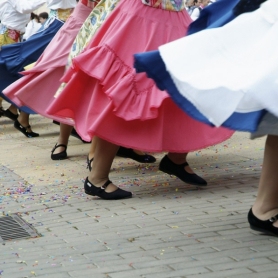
(97, 182)
(264, 213)
(177, 158)
(91, 155)
(13, 110)
(23, 122)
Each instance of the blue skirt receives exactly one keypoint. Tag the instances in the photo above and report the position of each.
(14, 57)
(213, 16)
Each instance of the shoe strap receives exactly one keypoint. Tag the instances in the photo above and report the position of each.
(89, 161)
(106, 184)
(184, 164)
(28, 126)
(273, 219)
(57, 146)
(101, 189)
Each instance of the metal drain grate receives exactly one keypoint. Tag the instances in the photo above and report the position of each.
(14, 227)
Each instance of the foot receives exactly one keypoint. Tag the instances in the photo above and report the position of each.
(76, 135)
(59, 148)
(26, 130)
(269, 225)
(59, 152)
(105, 190)
(182, 171)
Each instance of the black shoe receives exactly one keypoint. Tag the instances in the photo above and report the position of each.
(59, 156)
(23, 129)
(10, 115)
(1, 111)
(76, 135)
(89, 161)
(265, 227)
(73, 133)
(129, 153)
(55, 122)
(90, 189)
(169, 167)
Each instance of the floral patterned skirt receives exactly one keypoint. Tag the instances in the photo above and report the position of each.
(8, 36)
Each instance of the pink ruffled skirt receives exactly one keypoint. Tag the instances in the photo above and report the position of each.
(39, 84)
(105, 97)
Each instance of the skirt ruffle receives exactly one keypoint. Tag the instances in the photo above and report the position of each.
(238, 68)
(14, 57)
(105, 97)
(33, 89)
(216, 15)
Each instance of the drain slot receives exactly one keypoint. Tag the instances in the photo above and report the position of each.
(14, 227)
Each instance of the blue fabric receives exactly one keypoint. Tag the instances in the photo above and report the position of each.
(14, 57)
(213, 16)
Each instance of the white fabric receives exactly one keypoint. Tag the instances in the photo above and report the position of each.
(32, 27)
(15, 14)
(61, 4)
(195, 14)
(230, 69)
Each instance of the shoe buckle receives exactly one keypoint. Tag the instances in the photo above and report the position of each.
(273, 219)
(89, 184)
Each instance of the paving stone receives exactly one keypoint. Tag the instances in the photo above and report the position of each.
(169, 228)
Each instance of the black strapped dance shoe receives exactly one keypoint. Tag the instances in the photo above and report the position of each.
(129, 153)
(169, 167)
(7, 113)
(73, 133)
(76, 135)
(90, 189)
(265, 227)
(23, 129)
(89, 162)
(59, 156)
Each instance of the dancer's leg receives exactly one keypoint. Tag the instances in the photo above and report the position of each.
(98, 183)
(266, 204)
(103, 159)
(63, 138)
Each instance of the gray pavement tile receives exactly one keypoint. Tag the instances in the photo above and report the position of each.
(169, 229)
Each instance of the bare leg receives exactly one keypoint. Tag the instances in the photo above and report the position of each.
(63, 138)
(91, 154)
(13, 109)
(103, 159)
(266, 204)
(92, 148)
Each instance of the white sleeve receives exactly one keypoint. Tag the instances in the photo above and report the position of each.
(195, 14)
(27, 6)
(28, 30)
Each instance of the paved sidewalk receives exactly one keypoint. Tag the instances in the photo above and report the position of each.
(169, 229)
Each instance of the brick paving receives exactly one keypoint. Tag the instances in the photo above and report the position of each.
(168, 229)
